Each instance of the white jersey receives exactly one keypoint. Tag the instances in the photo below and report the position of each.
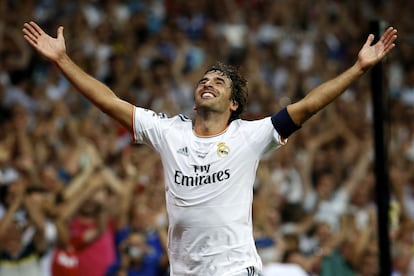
(209, 190)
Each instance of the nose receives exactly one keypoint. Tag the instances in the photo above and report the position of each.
(208, 83)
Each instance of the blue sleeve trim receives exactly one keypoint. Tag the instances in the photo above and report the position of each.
(283, 123)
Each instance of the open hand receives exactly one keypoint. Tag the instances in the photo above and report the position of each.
(51, 48)
(369, 55)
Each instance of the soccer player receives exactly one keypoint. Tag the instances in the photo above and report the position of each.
(210, 161)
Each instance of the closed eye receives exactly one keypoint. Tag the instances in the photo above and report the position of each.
(202, 81)
(219, 81)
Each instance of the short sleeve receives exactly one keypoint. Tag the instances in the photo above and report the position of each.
(262, 136)
(147, 126)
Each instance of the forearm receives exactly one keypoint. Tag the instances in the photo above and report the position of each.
(125, 203)
(97, 92)
(39, 221)
(62, 233)
(77, 183)
(360, 170)
(73, 203)
(324, 94)
(36, 216)
(6, 221)
(113, 182)
(91, 88)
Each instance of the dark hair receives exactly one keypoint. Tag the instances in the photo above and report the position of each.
(239, 91)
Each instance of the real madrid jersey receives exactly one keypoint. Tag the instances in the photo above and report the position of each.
(209, 190)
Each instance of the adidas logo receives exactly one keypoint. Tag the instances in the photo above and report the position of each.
(183, 151)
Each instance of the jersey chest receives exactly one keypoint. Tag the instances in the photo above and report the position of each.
(207, 169)
(204, 153)
(192, 160)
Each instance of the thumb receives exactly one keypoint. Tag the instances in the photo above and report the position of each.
(369, 41)
(60, 32)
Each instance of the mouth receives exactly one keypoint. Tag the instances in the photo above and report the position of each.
(207, 94)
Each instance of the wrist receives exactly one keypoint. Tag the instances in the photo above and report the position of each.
(62, 59)
(359, 69)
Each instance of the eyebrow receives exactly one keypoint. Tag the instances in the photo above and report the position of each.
(215, 78)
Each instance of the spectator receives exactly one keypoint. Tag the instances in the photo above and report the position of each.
(137, 258)
(22, 232)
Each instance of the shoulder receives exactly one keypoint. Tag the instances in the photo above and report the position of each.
(252, 129)
(178, 121)
(147, 115)
(259, 133)
(251, 124)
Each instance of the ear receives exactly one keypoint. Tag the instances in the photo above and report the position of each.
(234, 105)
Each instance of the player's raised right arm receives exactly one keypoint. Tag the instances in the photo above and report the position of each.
(54, 49)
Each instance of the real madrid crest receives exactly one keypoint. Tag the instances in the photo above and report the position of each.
(222, 149)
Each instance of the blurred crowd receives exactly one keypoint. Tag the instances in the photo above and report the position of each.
(78, 197)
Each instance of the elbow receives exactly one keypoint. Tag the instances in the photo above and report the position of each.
(300, 112)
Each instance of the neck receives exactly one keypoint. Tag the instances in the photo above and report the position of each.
(210, 124)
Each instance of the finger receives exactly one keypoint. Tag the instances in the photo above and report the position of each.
(389, 45)
(31, 29)
(389, 48)
(390, 30)
(60, 33)
(391, 41)
(36, 27)
(369, 40)
(29, 34)
(389, 35)
(30, 40)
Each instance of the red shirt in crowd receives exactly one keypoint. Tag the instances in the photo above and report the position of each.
(65, 263)
(94, 257)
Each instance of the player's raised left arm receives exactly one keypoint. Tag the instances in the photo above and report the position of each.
(54, 49)
(319, 97)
